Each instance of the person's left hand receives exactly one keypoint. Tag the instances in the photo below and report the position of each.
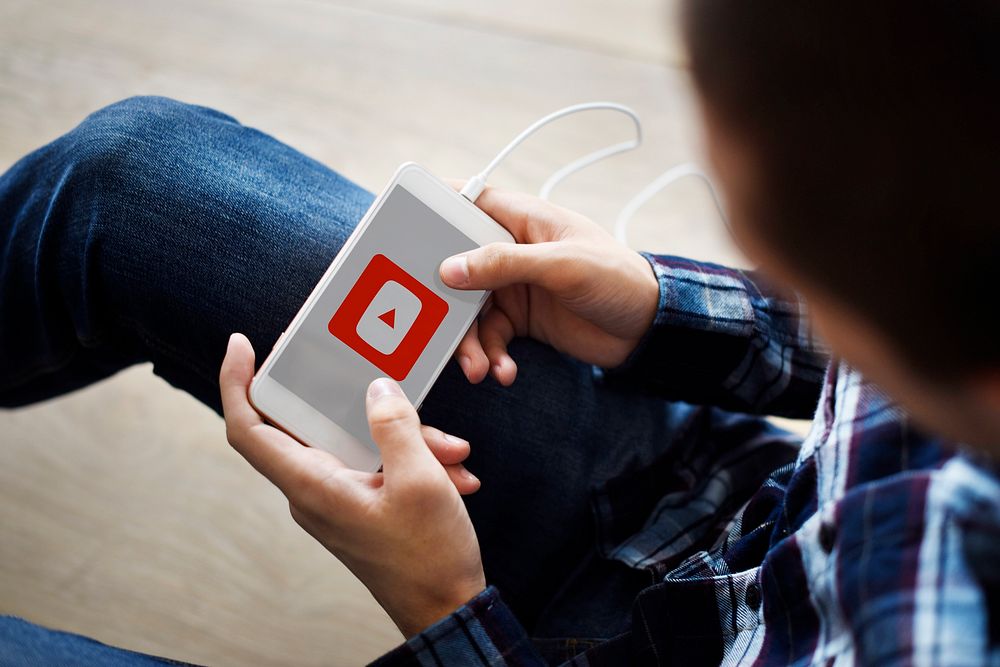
(403, 532)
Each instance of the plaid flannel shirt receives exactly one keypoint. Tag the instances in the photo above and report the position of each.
(875, 545)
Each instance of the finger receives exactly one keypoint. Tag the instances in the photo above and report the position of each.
(465, 482)
(277, 456)
(447, 448)
(450, 451)
(498, 265)
(528, 218)
(395, 428)
(471, 357)
(495, 332)
(234, 378)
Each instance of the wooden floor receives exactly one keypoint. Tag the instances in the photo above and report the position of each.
(124, 514)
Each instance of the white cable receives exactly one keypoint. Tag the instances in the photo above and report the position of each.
(585, 161)
(475, 186)
(662, 181)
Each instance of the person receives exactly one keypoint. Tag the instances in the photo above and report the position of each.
(631, 504)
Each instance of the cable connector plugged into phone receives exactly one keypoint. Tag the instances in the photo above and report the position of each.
(475, 186)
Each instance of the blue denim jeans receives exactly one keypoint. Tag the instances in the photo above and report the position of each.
(155, 229)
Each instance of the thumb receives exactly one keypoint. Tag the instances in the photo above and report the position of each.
(234, 379)
(395, 428)
(501, 264)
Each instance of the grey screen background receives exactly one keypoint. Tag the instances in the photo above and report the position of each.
(332, 377)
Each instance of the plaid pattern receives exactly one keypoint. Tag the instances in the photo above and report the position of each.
(872, 544)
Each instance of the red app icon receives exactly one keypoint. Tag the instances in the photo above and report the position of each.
(388, 317)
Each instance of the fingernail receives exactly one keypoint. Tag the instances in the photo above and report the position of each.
(469, 476)
(455, 270)
(463, 363)
(383, 387)
(454, 439)
(496, 371)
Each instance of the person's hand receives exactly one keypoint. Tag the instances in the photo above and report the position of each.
(566, 282)
(403, 532)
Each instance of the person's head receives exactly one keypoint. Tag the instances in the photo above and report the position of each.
(858, 145)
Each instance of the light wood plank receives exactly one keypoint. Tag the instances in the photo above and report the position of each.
(640, 29)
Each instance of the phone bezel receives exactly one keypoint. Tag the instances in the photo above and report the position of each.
(286, 410)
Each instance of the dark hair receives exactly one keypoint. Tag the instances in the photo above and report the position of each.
(874, 132)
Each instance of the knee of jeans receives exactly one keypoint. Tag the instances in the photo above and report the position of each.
(144, 117)
(132, 148)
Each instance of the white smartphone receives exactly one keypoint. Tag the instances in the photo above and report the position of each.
(379, 310)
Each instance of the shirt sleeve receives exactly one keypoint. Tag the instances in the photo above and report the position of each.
(725, 337)
(484, 631)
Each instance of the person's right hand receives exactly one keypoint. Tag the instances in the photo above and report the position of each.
(566, 282)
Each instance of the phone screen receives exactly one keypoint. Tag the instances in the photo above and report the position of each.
(384, 313)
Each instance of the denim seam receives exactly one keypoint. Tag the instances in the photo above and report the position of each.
(157, 345)
(38, 371)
